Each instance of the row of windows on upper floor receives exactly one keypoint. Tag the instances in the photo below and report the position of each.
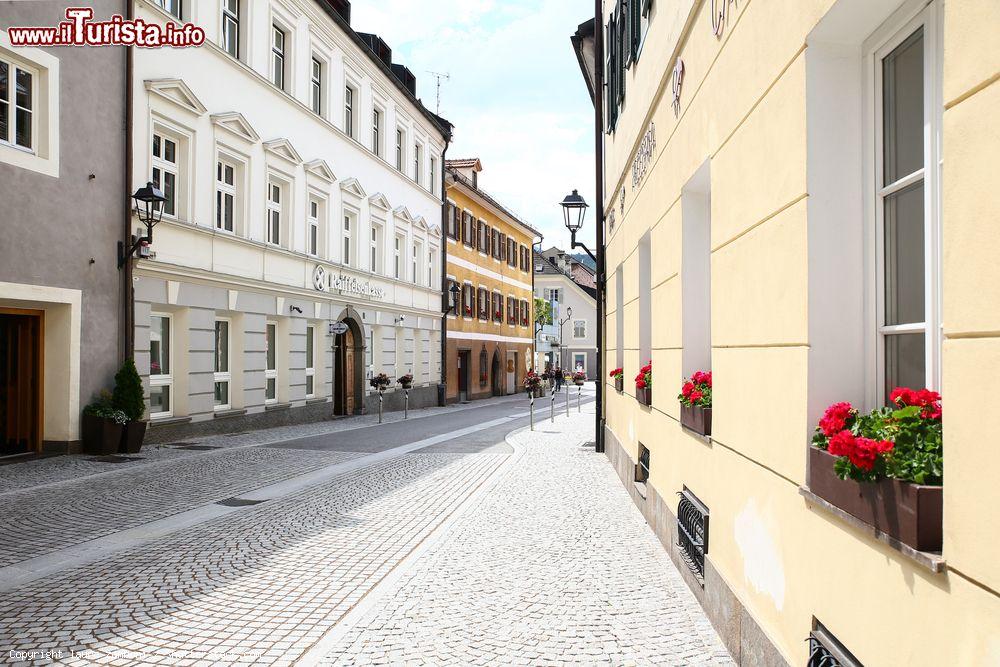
(231, 178)
(463, 226)
(487, 305)
(233, 38)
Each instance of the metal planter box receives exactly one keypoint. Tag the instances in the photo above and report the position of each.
(100, 436)
(644, 396)
(697, 419)
(620, 384)
(910, 513)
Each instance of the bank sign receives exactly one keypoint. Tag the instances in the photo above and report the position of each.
(324, 281)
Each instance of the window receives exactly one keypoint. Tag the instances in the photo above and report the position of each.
(273, 213)
(417, 155)
(271, 366)
(453, 225)
(225, 195)
(349, 95)
(313, 227)
(400, 138)
(278, 57)
(432, 186)
(451, 300)
(317, 86)
(468, 236)
(348, 223)
(497, 307)
(160, 372)
(397, 265)
(231, 27)
(310, 361)
(554, 294)
(468, 299)
(165, 171)
(172, 7)
(415, 274)
(222, 372)
(524, 259)
(579, 328)
(908, 347)
(377, 132)
(430, 268)
(696, 277)
(692, 533)
(642, 467)
(16, 105)
(481, 237)
(484, 304)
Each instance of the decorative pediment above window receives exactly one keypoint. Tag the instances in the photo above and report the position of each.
(379, 201)
(420, 223)
(434, 230)
(322, 169)
(283, 149)
(234, 122)
(403, 213)
(177, 92)
(351, 186)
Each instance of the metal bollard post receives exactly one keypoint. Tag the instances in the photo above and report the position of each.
(567, 399)
(552, 406)
(579, 398)
(379, 406)
(531, 407)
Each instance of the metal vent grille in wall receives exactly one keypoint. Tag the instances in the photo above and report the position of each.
(692, 532)
(826, 651)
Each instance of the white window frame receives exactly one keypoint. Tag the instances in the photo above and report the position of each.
(43, 156)
(374, 256)
(271, 373)
(274, 208)
(399, 245)
(349, 222)
(877, 47)
(579, 355)
(316, 84)
(580, 322)
(431, 261)
(225, 376)
(415, 252)
(164, 166)
(279, 54)
(418, 155)
(378, 120)
(350, 109)
(13, 66)
(313, 236)
(229, 21)
(162, 4)
(400, 149)
(223, 190)
(164, 379)
(310, 363)
(432, 185)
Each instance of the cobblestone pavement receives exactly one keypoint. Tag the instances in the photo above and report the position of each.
(555, 566)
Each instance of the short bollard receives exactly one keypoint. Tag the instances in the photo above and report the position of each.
(406, 404)
(379, 406)
(531, 408)
(579, 398)
(567, 399)
(552, 406)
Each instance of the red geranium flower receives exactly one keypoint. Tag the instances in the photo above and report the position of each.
(687, 389)
(835, 418)
(841, 444)
(640, 383)
(695, 396)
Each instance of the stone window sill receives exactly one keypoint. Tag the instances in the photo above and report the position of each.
(168, 421)
(931, 561)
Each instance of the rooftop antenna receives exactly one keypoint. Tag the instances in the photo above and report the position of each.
(439, 76)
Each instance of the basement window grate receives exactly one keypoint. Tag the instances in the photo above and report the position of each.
(692, 532)
(642, 467)
(825, 650)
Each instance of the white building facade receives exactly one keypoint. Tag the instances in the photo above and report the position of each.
(304, 189)
(569, 342)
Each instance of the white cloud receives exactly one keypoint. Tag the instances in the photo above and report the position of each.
(516, 95)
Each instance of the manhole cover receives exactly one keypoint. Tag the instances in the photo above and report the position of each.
(239, 502)
(115, 459)
(199, 448)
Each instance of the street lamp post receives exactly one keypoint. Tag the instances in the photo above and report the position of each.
(149, 209)
(574, 211)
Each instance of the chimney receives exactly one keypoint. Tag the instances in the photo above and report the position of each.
(378, 47)
(405, 77)
(342, 7)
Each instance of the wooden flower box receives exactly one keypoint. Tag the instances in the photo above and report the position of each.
(697, 419)
(100, 436)
(910, 513)
(620, 384)
(644, 396)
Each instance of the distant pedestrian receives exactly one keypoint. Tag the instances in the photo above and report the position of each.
(559, 378)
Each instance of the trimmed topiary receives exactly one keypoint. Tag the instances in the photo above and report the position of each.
(128, 394)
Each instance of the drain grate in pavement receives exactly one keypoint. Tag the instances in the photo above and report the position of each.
(115, 459)
(239, 502)
(199, 448)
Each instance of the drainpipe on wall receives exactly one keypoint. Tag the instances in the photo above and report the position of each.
(126, 347)
(599, 191)
(443, 386)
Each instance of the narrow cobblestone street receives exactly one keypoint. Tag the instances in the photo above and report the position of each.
(458, 537)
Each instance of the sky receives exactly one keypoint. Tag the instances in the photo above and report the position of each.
(515, 94)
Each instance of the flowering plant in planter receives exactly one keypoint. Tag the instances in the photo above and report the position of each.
(406, 380)
(644, 380)
(468, 311)
(579, 377)
(380, 382)
(902, 442)
(697, 391)
(617, 373)
(532, 381)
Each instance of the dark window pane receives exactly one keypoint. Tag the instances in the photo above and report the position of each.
(229, 212)
(4, 73)
(4, 121)
(904, 256)
(169, 151)
(903, 108)
(23, 125)
(904, 362)
(168, 192)
(23, 98)
(156, 146)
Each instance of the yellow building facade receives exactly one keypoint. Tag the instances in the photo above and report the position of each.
(490, 322)
(798, 199)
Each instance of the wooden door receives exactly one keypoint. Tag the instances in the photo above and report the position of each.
(20, 382)
(349, 353)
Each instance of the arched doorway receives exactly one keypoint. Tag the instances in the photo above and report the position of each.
(496, 375)
(348, 387)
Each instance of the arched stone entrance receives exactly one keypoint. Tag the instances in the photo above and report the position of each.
(349, 367)
(496, 375)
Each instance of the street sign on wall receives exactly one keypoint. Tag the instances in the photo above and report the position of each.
(338, 328)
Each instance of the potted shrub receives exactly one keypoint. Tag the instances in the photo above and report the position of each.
(619, 375)
(128, 398)
(696, 402)
(102, 426)
(644, 384)
(579, 378)
(532, 384)
(884, 467)
(406, 381)
(380, 382)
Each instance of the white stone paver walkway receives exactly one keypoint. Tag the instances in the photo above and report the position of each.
(555, 566)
